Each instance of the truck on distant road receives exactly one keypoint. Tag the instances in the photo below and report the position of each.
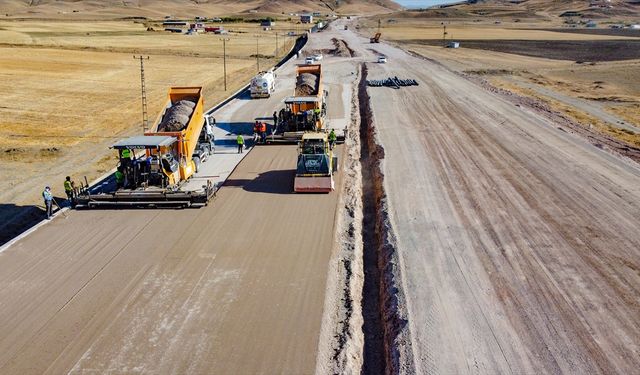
(263, 84)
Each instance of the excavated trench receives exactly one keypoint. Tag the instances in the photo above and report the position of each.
(382, 318)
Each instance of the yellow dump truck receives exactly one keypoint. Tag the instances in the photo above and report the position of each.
(154, 167)
(176, 121)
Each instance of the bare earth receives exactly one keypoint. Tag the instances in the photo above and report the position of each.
(518, 243)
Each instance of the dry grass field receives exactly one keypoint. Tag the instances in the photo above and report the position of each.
(72, 88)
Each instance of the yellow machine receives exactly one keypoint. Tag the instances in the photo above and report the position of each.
(316, 164)
(172, 153)
(187, 134)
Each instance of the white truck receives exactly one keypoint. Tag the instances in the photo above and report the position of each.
(263, 84)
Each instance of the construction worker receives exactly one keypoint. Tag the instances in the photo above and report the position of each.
(48, 201)
(256, 131)
(263, 132)
(69, 189)
(126, 154)
(125, 158)
(332, 139)
(209, 131)
(316, 113)
(119, 178)
(240, 141)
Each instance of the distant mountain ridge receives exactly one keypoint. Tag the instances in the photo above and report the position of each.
(187, 8)
(549, 9)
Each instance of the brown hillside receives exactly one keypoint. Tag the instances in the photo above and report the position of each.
(534, 9)
(89, 9)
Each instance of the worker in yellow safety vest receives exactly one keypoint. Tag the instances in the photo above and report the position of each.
(332, 139)
(240, 141)
(119, 178)
(125, 158)
(69, 189)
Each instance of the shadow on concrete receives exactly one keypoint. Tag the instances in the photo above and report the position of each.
(245, 95)
(231, 128)
(272, 182)
(15, 219)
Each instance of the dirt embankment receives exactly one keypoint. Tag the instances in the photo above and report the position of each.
(341, 341)
(384, 315)
(340, 49)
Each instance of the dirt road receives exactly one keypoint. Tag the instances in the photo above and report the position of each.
(518, 244)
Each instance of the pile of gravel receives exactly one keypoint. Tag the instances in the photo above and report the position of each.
(307, 84)
(177, 116)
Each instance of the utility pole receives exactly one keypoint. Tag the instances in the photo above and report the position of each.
(145, 120)
(224, 60)
(257, 52)
(276, 54)
(444, 35)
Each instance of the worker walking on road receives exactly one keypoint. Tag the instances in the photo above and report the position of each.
(332, 139)
(69, 189)
(48, 201)
(240, 141)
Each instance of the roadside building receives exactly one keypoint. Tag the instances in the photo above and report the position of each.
(306, 18)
